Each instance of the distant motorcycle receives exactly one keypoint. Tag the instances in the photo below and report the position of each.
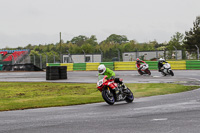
(167, 70)
(144, 69)
(113, 92)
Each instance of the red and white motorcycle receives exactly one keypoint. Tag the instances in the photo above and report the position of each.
(144, 69)
(113, 92)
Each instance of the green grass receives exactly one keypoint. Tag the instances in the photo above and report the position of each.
(25, 95)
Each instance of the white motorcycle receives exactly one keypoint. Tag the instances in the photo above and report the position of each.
(167, 70)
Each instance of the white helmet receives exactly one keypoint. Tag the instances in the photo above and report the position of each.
(101, 69)
(161, 60)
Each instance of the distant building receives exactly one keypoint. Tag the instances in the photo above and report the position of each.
(81, 58)
(150, 55)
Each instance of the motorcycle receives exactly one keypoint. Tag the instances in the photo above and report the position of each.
(144, 69)
(113, 92)
(167, 70)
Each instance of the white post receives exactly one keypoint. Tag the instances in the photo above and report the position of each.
(197, 52)
(176, 51)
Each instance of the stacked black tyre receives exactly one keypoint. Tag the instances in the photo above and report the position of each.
(52, 73)
(63, 72)
(56, 72)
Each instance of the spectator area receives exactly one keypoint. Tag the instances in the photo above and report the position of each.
(16, 55)
(3, 53)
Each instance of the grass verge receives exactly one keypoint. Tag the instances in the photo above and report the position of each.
(23, 95)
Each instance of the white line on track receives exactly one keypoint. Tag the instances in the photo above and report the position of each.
(160, 119)
(195, 79)
(156, 76)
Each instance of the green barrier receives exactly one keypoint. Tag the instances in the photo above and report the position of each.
(5, 62)
(53, 64)
(79, 66)
(192, 65)
(108, 65)
(92, 66)
(153, 65)
(1, 67)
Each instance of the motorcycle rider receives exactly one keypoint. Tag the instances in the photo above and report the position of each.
(138, 64)
(160, 64)
(102, 70)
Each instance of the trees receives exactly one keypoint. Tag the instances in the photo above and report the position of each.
(29, 46)
(79, 40)
(117, 38)
(115, 42)
(192, 37)
(176, 41)
(92, 40)
(88, 48)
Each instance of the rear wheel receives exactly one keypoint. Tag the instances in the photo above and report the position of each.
(129, 98)
(108, 97)
(140, 72)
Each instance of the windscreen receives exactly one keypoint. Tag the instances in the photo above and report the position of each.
(100, 77)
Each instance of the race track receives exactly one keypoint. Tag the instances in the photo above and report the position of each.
(183, 76)
(174, 113)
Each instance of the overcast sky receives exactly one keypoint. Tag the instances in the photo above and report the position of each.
(24, 22)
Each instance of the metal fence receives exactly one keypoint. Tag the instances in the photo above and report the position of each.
(42, 59)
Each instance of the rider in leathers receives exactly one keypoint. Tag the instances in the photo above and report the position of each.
(111, 75)
(160, 64)
(138, 64)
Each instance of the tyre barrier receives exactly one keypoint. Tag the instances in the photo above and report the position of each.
(56, 72)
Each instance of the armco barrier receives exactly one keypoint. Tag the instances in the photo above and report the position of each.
(69, 66)
(79, 66)
(108, 65)
(53, 64)
(125, 66)
(192, 65)
(177, 65)
(92, 66)
(153, 65)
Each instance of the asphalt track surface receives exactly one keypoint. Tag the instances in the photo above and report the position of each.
(174, 113)
(183, 76)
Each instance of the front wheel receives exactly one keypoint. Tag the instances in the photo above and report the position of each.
(148, 71)
(129, 98)
(171, 72)
(108, 97)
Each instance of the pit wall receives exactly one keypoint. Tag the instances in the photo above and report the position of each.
(153, 65)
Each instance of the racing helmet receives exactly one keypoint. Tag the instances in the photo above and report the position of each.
(161, 60)
(137, 60)
(101, 69)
